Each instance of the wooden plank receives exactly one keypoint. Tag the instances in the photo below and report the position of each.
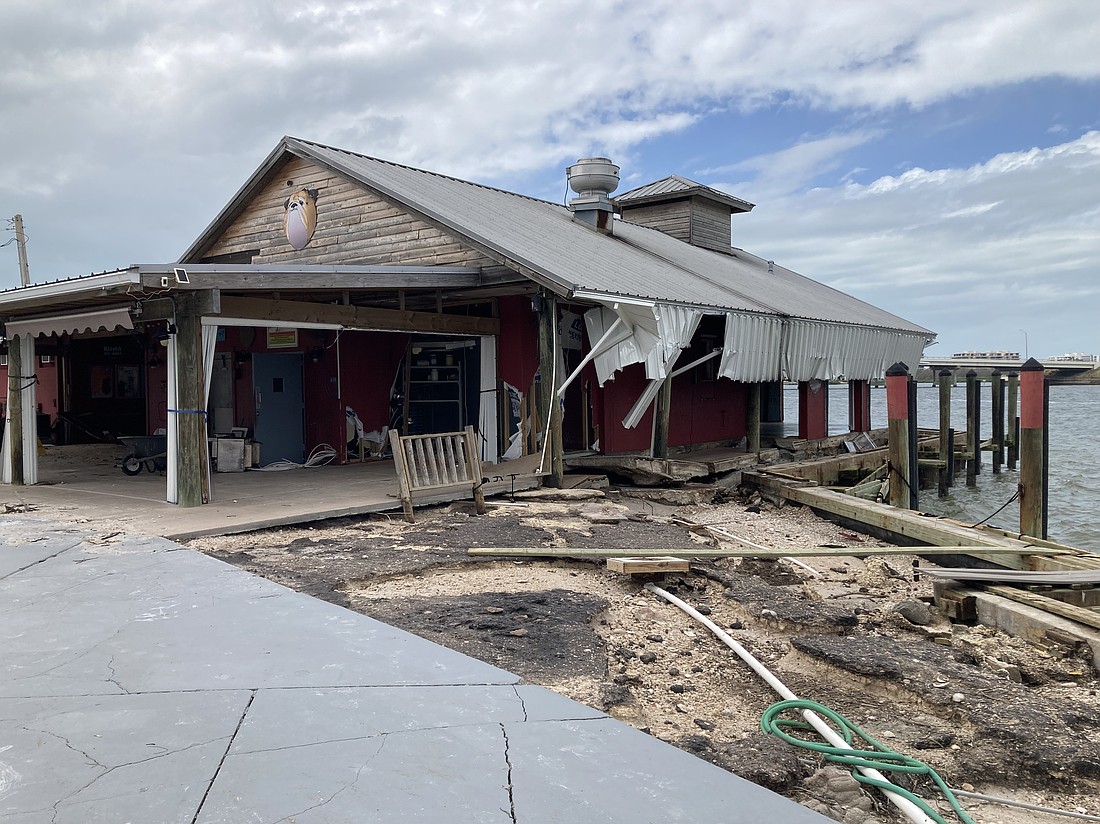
(1081, 615)
(1017, 576)
(648, 566)
(745, 552)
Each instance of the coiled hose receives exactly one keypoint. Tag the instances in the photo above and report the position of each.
(878, 757)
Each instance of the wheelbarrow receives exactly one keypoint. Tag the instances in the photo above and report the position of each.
(149, 451)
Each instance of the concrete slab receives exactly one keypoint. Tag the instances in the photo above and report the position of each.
(603, 770)
(140, 681)
(113, 758)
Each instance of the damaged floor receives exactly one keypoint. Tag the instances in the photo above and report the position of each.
(145, 682)
(988, 711)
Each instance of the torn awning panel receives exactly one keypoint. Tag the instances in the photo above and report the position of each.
(752, 349)
(814, 350)
(633, 345)
(677, 325)
(104, 319)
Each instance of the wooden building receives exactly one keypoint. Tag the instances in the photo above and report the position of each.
(336, 287)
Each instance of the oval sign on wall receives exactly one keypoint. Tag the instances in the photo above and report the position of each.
(300, 219)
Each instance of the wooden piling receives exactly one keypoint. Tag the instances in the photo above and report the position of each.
(998, 392)
(1032, 431)
(1012, 419)
(973, 442)
(548, 400)
(752, 428)
(897, 414)
(945, 430)
(663, 412)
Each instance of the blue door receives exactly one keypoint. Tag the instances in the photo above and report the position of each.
(277, 388)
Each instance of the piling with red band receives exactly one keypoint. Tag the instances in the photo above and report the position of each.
(1032, 464)
(897, 416)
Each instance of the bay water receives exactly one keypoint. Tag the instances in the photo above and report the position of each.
(1074, 480)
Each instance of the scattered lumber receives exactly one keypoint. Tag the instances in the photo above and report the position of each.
(648, 566)
(751, 552)
(1067, 577)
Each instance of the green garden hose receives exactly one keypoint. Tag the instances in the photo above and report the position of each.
(878, 756)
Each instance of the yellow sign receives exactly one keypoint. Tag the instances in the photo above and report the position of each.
(279, 338)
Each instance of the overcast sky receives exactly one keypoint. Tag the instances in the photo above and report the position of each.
(939, 159)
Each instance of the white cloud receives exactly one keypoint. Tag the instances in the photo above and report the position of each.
(974, 253)
(127, 120)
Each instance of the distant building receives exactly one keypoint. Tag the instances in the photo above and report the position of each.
(1080, 357)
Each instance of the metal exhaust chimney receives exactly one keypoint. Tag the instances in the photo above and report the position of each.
(593, 179)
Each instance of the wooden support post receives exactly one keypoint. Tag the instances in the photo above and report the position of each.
(1032, 431)
(191, 427)
(17, 377)
(859, 406)
(973, 440)
(813, 409)
(998, 392)
(752, 426)
(1013, 420)
(897, 414)
(663, 411)
(945, 430)
(548, 318)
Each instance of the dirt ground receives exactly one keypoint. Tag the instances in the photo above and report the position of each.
(988, 711)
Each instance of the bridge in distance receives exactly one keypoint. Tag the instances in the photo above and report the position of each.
(1055, 368)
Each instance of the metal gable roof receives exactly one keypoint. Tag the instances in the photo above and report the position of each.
(541, 240)
(788, 292)
(539, 236)
(673, 186)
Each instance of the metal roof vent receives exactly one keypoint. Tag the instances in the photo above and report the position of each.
(593, 179)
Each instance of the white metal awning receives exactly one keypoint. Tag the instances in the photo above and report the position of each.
(104, 319)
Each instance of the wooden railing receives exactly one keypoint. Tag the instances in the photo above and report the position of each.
(427, 463)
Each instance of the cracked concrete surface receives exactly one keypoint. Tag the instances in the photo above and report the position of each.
(145, 682)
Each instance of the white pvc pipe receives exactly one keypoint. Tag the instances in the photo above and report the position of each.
(904, 805)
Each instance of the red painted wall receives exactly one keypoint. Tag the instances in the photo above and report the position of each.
(702, 411)
(813, 409)
(517, 346)
(369, 363)
(45, 391)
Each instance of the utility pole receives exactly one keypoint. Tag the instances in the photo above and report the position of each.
(21, 243)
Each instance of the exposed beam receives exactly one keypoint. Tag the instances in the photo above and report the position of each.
(314, 278)
(288, 312)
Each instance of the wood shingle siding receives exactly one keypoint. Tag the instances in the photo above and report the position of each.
(353, 225)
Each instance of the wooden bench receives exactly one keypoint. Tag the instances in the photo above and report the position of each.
(433, 463)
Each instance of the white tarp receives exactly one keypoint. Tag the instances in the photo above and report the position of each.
(104, 319)
(487, 408)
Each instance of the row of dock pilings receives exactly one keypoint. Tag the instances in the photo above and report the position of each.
(1024, 439)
